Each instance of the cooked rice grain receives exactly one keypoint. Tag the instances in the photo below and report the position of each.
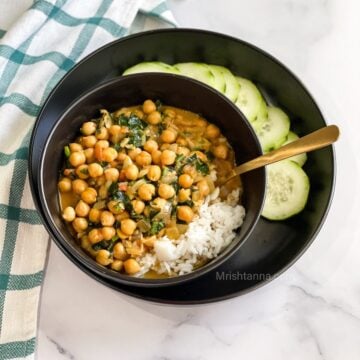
(211, 232)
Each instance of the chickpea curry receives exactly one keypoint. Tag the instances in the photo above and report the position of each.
(137, 174)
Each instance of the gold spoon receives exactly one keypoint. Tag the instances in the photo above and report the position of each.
(314, 141)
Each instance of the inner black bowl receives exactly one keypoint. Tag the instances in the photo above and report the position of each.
(172, 90)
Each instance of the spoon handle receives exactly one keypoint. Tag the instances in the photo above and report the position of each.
(314, 141)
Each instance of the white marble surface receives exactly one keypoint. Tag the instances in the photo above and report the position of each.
(310, 312)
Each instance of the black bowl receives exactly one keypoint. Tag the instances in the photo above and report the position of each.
(273, 246)
(172, 90)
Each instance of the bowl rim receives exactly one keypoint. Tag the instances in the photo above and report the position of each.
(290, 262)
(86, 259)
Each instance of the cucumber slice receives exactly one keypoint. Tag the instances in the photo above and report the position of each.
(287, 190)
(300, 159)
(219, 80)
(232, 86)
(197, 71)
(154, 66)
(250, 101)
(273, 131)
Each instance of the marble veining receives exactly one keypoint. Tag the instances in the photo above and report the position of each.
(312, 311)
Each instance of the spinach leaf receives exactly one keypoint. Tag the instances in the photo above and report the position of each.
(116, 194)
(67, 151)
(117, 147)
(103, 244)
(135, 122)
(200, 166)
(106, 244)
(156, 226)
(209, 155)
(158, 104)
(136, 138)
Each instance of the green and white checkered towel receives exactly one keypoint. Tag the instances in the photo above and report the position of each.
(36, 49)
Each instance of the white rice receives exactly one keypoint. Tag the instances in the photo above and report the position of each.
(210, 232)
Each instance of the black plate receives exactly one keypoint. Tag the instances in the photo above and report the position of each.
(274, 246)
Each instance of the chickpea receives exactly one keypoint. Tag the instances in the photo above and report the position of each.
(88, 141)
(148, 106)
(185, 213)
(128, 226)
(138, 206)
(121, 157)
(69, 214)
(181, 141)
(90, 155)
(103, 144)
(181, 150)
(88, 128)
(185, 180)
(108, 232)
(69, 172)
(114, 207)
(94, 215)
(103, 257)
(109, 154)
(143, 159)
(221, 151)
(85, 243)
(150, 146)
(102, 133)
(64, 185)
(200, 122)
(158, 203)
(119, 251)
(123, 215)
(117, 265)
(168, 136)
(154, 173)
(107, 218)
(75, 147)
(78, 186)
(82, 209)
(164, 146)
(154, 118)
(184, 195)
(146, 192)
(132, 172)
(203, 187)
(173, 147)
(138, 113)
(80, 224)
(95, 170)
(77, 158)
(166, 191)
(189, 169)
(89, 195)
(82, 171)
(212, 132)
(131, 266)
(170, 113)
(112, 174)
(201, 155)
(168, 157)
(121, 235)
(115, 130)
(156, 157)
(133, 153)
(95, 236)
